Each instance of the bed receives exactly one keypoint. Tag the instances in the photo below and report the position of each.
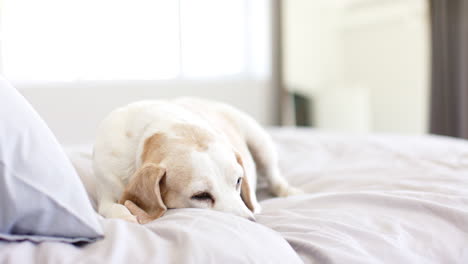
(369, 199)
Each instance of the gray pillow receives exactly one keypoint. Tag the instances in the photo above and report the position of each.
(41, 196)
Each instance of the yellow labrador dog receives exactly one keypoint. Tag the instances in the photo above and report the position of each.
(151, 156)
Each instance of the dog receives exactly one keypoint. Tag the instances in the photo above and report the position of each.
(151, 156)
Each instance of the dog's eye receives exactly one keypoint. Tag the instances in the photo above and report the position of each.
(203, 196)
(239, 181)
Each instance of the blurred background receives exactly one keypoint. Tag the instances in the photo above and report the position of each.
(360, 66)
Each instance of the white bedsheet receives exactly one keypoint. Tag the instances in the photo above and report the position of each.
(370, 199)
(373, 199)
(181, 236)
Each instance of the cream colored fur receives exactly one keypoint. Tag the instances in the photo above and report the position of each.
(153, 155)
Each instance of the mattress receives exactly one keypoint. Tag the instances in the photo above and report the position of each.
(368, 199)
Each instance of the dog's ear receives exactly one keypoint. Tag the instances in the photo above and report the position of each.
(246, 192)
(142, 196)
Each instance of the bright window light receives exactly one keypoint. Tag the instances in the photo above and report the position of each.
(72, 40)
(214, 37)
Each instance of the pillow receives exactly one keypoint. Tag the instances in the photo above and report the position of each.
(82, 159)
(41, 196)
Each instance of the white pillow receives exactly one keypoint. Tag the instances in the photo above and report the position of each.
(41, 196)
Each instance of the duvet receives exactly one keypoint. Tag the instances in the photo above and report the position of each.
(369, 199)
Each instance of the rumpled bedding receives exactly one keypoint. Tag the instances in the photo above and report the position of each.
(372, 198)
(181, 236)
(369, 199)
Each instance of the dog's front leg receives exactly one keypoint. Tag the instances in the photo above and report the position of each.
(114, 210)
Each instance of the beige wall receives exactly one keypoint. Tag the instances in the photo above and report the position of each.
(365, 63)
(74, 110)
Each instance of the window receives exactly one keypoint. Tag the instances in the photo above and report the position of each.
(70, 40)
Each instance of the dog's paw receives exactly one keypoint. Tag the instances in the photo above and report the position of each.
(131, 219)
(293, 191)
(256, 208)
(121, 212)
(284, 190)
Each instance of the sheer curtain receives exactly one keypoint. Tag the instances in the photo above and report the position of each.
(76, 40)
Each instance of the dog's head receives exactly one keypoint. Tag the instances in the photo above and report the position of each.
(188, 169)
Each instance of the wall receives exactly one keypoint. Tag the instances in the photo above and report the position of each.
(364, 63)
(387, 53)
(73, 110)
(310, 44)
